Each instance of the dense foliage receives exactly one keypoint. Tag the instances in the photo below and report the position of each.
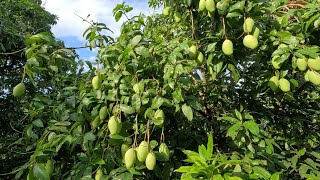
(206, 90)
(18, 19)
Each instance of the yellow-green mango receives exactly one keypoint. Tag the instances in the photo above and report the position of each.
(284, 85)
(200, 58)
(193, 51)
(306, 75)
(302, 64)
(314, 64)
(99, 174)
(142, 151)
(274, 83)
(151, 161)
(124, 148)
(177, 17)
(163, 148)
(159, 116)
(95, 123)
(103, 113)
(114, 125)
(202, 5)
(314, 77)
(250, 42)
(96, 82)
(248, 25)
(210, 5)
(227, 47)
(166, 11)
(256, 32)
(130, 158)
(19, 90)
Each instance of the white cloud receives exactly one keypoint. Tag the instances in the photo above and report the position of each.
(70, 25)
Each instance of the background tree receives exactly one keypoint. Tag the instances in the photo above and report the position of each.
(18, 20)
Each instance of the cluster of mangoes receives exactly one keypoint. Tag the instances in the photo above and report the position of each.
(312, 68)
(142, 154)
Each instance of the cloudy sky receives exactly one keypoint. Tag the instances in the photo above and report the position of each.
(70, 27)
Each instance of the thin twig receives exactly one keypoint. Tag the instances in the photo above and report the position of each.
(15, 52)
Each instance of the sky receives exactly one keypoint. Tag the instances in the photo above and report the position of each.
(70, 27)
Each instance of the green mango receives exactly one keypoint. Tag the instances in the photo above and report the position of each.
(248, 25)
(95, 123)
(114, 125)
(177, 17)
(210, 5)
(142, 151)
(256, 32)
(202, 5)
(103, 113)
(200, 58)
(124, 148)
(306, 75)
(130, 158)
(99, 174)
(222, 7)
(163, 148)
(314, 64)
(19, 90)
(96, 82)
(166, 11)
(151, 161)
(274, 83)
(227, 47)
(284, 85)
(193, 51)
(250, 42)
(314, 77)
(302, 64)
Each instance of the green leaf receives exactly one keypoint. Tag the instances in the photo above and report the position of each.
(136, 40)
(127, 109)
(252, 127)
(187, 111)
(33, 61)
(233, 130)
(40, 172)
(210, 146)
(38, 123)
(275, 176)
(89, 136)
(261, 172)
(230, 119)
(157, 102)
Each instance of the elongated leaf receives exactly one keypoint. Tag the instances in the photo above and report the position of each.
(127, 109)
(40, 172)
(275, 176)
(187, 111)
(230, 119)
(210, 146)
(261, 172)
(233, 130)
(252, 127)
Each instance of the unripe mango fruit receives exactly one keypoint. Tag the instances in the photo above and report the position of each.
(284, 85)
(227, 47)
(151, 161)
(130, 158)
(314, 64)
(159, 116)
(96, 82)
(250, 41)
(302, 64)
(163, 148)
(95, 123)
(248, 25)
(103, 113)
(256, 32)
(314, 77)
(124, 148)
(177, 17)
(114, 125)
(306, 75)
(274, 83)
(99, 174)
(19, 90)
(202, 5)
(166, 11)
(193, 51)
(200, 58)
(210, 5)
(142, 151)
